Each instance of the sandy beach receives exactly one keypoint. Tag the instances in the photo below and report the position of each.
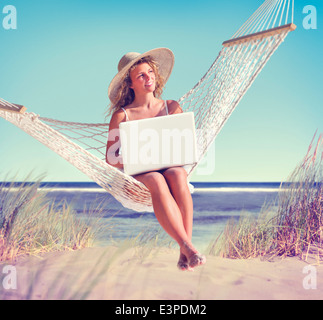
(133, 274)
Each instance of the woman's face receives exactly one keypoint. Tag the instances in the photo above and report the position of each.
(143, 79)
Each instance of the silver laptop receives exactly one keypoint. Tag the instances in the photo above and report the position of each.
(158, 143)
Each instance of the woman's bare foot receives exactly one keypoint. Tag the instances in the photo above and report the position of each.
(193, 257)
(182, 263)
(197, 260)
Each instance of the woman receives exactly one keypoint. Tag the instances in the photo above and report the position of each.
(135, 94)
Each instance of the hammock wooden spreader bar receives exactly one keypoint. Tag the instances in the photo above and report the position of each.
(15, 108)
(259, 35)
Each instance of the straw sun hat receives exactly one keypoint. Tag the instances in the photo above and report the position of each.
(165, 62)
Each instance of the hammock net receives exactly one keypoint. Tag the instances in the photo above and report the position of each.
(212, 100)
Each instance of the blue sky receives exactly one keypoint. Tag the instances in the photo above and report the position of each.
(63, 55)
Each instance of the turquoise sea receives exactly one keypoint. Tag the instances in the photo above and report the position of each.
(214, 204)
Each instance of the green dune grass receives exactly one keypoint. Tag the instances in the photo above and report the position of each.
(291, 229)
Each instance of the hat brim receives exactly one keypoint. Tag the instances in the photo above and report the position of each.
(165, 61)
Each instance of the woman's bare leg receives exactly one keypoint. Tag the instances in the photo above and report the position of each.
(168, 213)
(177, 181)
(165, 207)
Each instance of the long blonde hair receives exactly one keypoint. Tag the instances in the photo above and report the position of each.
(126, 95)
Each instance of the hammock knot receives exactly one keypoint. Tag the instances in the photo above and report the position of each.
(33, 116)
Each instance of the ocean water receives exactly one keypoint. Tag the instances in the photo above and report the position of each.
(214, 204)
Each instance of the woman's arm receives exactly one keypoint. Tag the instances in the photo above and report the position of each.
(113, 145)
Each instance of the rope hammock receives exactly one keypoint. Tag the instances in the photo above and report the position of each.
(212, 100)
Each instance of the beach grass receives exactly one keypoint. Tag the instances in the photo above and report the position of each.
(31, 224)
(293, 228)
